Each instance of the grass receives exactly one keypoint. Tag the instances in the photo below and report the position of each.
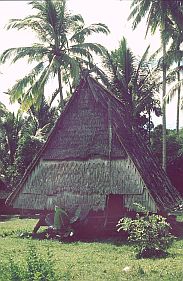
(84, 261)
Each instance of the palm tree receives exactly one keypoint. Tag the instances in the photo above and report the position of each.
(133, 82)
(159, 14)
(61, 49)
(175, 55)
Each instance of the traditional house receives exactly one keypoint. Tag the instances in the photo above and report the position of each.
(93, 159)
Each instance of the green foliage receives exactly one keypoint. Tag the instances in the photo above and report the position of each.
(162, 14)
(174, 143)
(135, 82)
(39, 268)
(21, 137)
(36, 268)
(59, 52)
(165, 15)
(174, 154)
(15, 271)
(149, 232)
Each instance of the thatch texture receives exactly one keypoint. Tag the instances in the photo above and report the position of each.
(86, 183)
(84, 132)
(93, 152)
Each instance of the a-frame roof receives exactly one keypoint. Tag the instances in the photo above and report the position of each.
(128, 141)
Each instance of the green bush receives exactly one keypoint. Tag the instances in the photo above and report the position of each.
(149, 232)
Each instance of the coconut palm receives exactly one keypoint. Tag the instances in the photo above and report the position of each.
(133, 82)
(159, 15)
(175, 56)
(61, 48)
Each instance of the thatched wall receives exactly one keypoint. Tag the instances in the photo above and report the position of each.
(85, 183)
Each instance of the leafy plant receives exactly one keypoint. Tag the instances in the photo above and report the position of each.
(149, 232)
(16, 273)
(37, 267)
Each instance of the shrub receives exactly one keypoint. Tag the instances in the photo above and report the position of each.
(149, 232)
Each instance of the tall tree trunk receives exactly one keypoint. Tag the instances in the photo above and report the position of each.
(178, 101)
(149, 126)
(164, 156)
(60, 88)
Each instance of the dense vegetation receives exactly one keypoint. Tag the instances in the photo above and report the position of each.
(174, 154)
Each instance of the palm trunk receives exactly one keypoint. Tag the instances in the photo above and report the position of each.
(164, 156)
(60, 88)
(130, 111)
(149, 126)
(178, 101)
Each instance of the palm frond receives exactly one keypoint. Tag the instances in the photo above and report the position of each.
(3, 110)
(35, 52)
(72, 63)
(176, 11)
(173, 56)
(153, 18)
(46, 73)
(77, 19)
(141, 103)
(155, 54)
(53, 96)
(93, 28)
(86, 47)
(24, 84)
(141, 62)
(37, 23)
(81, 52)
(173, 91)
(125, 61)
(139, 9)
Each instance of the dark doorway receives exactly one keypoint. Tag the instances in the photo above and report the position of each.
(114, 211)
(115, 205)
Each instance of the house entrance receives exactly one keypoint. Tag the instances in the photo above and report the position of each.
(114, 204)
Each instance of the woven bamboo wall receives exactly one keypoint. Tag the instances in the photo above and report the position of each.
(85, 183)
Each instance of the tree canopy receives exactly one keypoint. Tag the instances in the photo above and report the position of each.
(60, 50)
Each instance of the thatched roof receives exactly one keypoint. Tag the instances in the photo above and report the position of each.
(93, 125)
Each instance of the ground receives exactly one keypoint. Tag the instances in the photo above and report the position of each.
(90, 260)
